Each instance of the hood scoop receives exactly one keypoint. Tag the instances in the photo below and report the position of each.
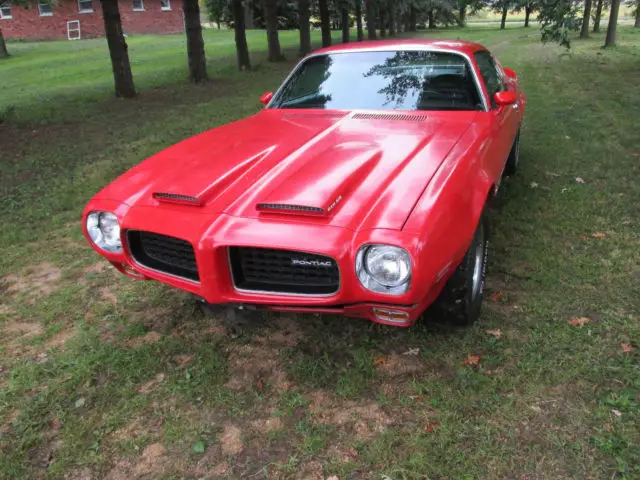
(177, 198)
(391, 116)
(288, 208)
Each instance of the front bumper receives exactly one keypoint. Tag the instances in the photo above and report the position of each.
(212, 237)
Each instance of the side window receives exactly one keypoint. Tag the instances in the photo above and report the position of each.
(490, 73)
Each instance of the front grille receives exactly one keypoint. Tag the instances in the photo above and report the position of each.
(163, 253)
(283, 271)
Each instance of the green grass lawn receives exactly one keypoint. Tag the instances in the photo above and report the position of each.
(103, 376)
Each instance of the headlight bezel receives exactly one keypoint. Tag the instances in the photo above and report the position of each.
(102, 231)
(370, 282)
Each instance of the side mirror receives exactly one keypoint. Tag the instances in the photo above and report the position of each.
(505, 98)
(510, 73)
(266, 98)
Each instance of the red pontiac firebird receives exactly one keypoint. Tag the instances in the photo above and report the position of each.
(360, 189)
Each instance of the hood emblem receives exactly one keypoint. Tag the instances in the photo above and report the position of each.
(311, 263)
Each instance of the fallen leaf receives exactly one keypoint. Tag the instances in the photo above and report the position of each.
(584, 238)
(617, 413)
(412, 351)
(496, 333)
(380, 361)
(567, 137)
(351, 452)
(579, 180)
(41, 357)
(627, 348)
(431, 426)
(496, 296)
(536, 408)
(599, 235)
(488, 372)
(260, 385)
(333, 477)
(472, 360)
(199, 447)
(533, 185)
(565, 189)
(579, 321)
(595, 387)
(80, 402)
(55, 424)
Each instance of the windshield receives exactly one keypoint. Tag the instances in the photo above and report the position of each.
(393, 80)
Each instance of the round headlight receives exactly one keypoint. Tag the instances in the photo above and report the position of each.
(104, 230)
(384, 268)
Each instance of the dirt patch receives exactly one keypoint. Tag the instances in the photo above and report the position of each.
(265, 425)
(151, 464)
(231, 440)
(310, 471)
(79, 474)
(10, 418)
(23, 329)
(5, 310)
(400, 365)
(150, 385)
(107, 295)
(60, 338)
(146, 339)
(251, 365)
(36, 282)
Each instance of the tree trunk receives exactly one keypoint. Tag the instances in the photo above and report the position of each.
(371, 20)
(383, 28)
(462, 15)
(242, 50)
(248, 15)
(305, 28)
(596, 20)
(637, 24)
(503, 21)
(359, 20)
(432, 19)
(527, 14)
(413, 19)
(271, 24)
(399, 25)
(584, 31)
(346, 34)
(392, 21)
(3, 47)
(610, 41)
(325, 22)
(118, 50)
(195, 43)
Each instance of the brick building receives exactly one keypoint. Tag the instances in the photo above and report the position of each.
(72, 19)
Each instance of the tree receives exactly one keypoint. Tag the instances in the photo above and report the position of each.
(271, 24)
(502, 7)
(305, 28)
(528, 6)
(413, 19)
(598, 16)
(371, 19)
(239, 27)
(392, 19)
(195, 43)
(3, 47)
(636, 4)
(216, 10)
(344, 10)
(557, 19)
(325, 25)
(383, 25)
(586, 16)
(610, 40)
(118, 50)
(360, 33)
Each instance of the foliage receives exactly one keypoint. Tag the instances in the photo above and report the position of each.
(558, 18)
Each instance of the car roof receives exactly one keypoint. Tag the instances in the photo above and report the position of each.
(462, 46)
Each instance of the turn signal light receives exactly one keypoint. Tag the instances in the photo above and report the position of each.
(392, 316)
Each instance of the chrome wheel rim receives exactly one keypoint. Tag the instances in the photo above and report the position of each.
(478, 267)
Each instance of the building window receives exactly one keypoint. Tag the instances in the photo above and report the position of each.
(45, 9)
(138, 5)
(5, 12)
(85, 6)
(165, 4)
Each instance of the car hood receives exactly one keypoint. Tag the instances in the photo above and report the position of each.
(348, 169)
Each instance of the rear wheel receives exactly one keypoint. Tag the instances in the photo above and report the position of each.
(514, 157)
(461, 298)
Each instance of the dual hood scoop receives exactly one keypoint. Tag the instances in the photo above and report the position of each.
(177, 198)
(288, 208)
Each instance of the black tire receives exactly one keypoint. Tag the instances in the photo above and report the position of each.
(460, 301)
(513, 161)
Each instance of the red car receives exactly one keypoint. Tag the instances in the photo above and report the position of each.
(360, 189)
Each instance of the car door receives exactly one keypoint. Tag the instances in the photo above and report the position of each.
(504, 118)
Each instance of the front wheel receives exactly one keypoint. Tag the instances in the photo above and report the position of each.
(461, 298)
